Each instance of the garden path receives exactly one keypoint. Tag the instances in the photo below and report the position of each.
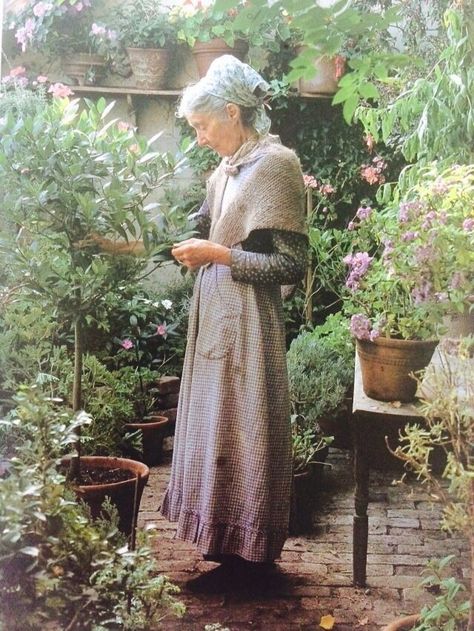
(315, 571)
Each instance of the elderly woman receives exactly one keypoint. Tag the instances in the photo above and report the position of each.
(229, 490)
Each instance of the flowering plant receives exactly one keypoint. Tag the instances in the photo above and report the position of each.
(423, 266)
(55, 27)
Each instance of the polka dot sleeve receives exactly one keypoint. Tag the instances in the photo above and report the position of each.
(284, 264)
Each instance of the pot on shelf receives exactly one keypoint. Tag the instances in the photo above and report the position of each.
(326, 80)
(204, 53)
(149, 66)
(153, 431)
(125, 494)
(386, 366)
(84, 68)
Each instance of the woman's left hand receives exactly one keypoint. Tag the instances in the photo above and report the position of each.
(194, 253)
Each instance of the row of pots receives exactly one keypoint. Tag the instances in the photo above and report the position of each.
(150, 66)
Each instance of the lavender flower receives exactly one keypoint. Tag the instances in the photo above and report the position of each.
(468, 225)
(360, 326)
(363, 212)
(422, 292)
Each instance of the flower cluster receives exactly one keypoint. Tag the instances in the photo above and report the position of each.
(56, 27)
(373, 172)
(18, 78)
(423, 265)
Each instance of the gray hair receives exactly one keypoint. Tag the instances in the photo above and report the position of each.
(228, 80)
(196, 100)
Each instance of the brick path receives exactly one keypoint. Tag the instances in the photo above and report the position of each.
(315, 570)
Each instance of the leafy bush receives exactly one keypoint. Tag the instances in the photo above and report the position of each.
(320, 370)
(57, 567)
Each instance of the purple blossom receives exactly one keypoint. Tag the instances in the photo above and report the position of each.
(351, 225)
(24, 34)
(358, 262)
(429, 220)
(363, 212)
(409, 210)
(161, 330)
(360, 326)
(422, 292)
(374, 334)
(41, 8)
(439, 187)
(409, 236)
(423, 254)
(388, 249)
(127, 344)
(457, 280)
(468, 225)
(100, 31)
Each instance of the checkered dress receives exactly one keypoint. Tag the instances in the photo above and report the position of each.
(231, 475)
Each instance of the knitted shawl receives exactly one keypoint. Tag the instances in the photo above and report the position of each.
(271, 195)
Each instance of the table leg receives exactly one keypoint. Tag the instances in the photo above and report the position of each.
(360, 530)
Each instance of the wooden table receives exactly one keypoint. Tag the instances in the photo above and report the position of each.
(365, 410)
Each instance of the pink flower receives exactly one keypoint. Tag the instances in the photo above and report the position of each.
(42, 79)
(41, 8)
(24, 34)
(310, 181)
(468, 225)
(127, 344)
(124, 126)
(134, 148)
(59, 90)
(101, 31)
(351, 226)
(327, 189)
(161, 330)
(17, 71)
(363, 212)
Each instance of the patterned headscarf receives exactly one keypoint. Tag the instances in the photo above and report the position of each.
(235, 82)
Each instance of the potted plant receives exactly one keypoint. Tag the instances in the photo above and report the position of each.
(150, 40)
(61, 30)
(447, 392)
(75, 174)
(321, 375)
(419, 271)
(59, 569)
(309, 452)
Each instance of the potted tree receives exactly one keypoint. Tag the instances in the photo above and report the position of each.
(70, 173)
(59, 569)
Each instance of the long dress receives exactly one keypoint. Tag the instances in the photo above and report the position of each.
(231, 474)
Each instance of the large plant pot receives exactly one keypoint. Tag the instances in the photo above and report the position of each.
(386, 366)
(326, 79)
(149, 66)
(126, 495)
(301, 505)
(153, 432)
(83, 68)
(204, 53)
(403, 624)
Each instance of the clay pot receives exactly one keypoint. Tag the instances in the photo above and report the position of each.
(403, 624)
(153, 430)
(386, 366)
(204, 53)
(84, 68)
(149, 66)
(126, 495)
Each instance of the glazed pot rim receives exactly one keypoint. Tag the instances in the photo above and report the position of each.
(397, 342)
(139, 469)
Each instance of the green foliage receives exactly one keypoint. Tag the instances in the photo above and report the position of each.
(422, 268)
(450, 609)
(57, 567)
(306, 444)
(320, 370)
(144, 24)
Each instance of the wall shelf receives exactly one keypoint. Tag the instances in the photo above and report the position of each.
(123, 90)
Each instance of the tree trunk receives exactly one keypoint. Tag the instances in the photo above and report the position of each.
(77, 395)
(309, 271)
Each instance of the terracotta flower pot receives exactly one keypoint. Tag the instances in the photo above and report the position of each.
(84, 68)
(386, 366)
(402, 624)
(126, 495)
(149, 66)
(204, 53)
(153, 432)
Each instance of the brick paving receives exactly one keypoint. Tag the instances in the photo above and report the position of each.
(314, 575)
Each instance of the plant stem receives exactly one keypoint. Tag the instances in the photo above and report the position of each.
(77, 394)
(309, 271)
